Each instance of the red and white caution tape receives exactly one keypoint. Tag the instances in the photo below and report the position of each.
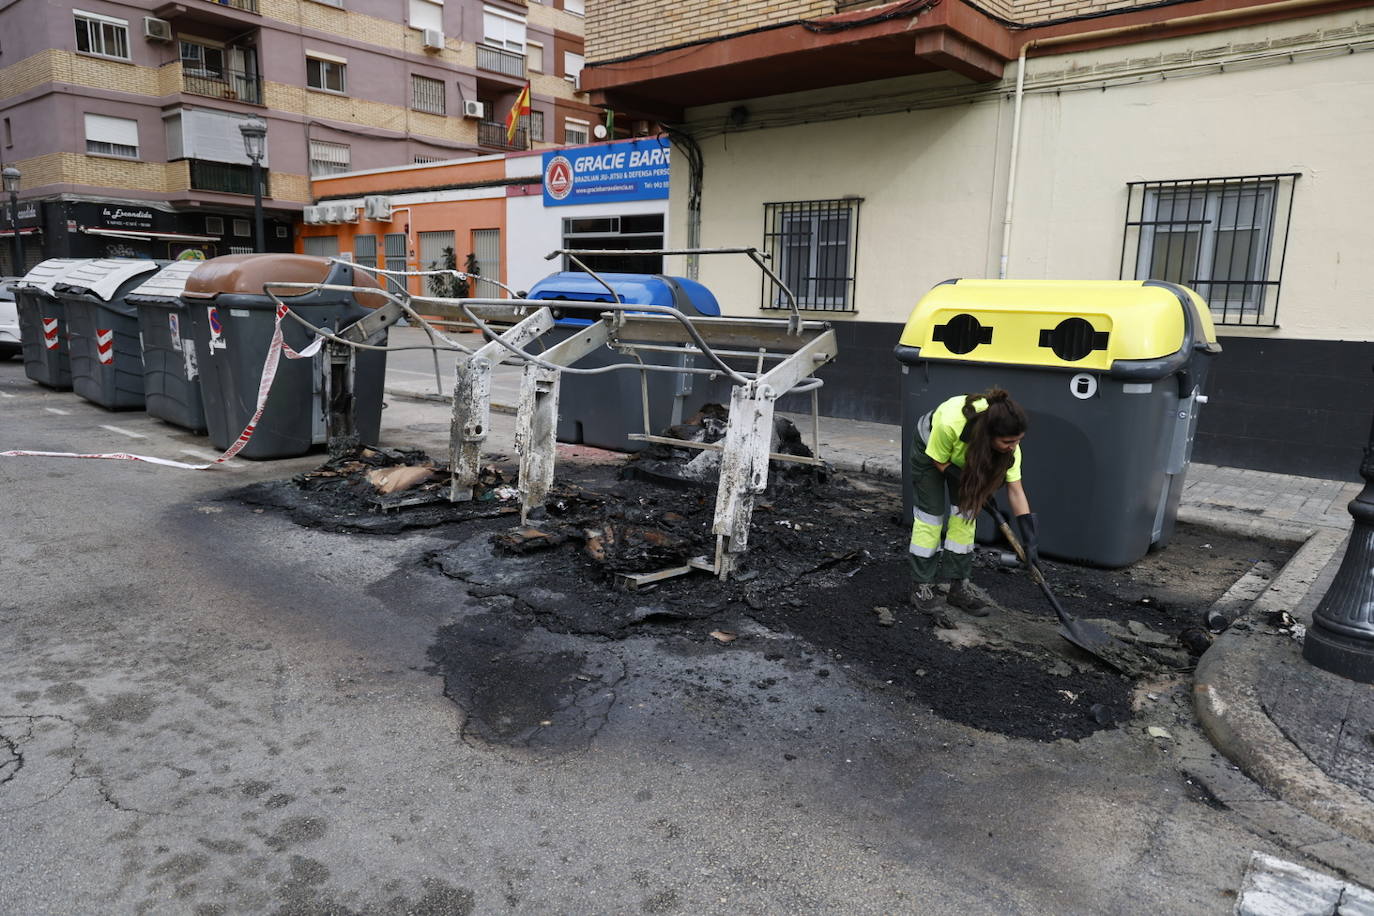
(275, 350)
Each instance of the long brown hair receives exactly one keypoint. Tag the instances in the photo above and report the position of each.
(985, 468)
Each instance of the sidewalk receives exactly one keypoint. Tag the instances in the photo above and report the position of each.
(1303, 735)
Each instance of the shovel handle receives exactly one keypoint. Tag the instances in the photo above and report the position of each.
(1005, 527)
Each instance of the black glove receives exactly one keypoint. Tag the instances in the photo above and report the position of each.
(1030, 538)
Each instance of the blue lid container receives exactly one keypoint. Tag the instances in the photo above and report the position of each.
(687, 296)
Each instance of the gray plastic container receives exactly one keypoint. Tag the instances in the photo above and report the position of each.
(1112, 375)
(102, 330)
(171, 380)
(232, 321)
(43, 324)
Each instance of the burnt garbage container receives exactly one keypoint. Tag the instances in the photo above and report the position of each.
(43, 324)
(102, 330)
(232, 321)
(171, 379)
(603, 410)
(1112, 375)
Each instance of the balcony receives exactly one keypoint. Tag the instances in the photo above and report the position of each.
(498, 60)
(226, 178)
(493, 134)
(225, 83)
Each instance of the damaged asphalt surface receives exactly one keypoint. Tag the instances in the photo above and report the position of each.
(210, 708)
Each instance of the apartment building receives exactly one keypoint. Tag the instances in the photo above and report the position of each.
(877, 149)
(123, 116)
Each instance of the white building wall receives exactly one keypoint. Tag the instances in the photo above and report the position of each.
(535, 230)
(1292, 96)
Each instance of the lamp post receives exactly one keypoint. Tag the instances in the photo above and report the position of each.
(254, 132)
(11, 178)
(1341, 638)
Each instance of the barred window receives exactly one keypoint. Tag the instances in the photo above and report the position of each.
(575, 131)
(365, 250)
(1223, 237)
(321, 246)
(329, 158)
(813, 246)
(427, 94)
(534, 123)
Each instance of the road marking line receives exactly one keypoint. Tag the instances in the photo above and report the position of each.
(58, 410)
(6, 394)
(124, 432)
(410, 372)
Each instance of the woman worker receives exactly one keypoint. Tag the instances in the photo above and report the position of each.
(970, 443)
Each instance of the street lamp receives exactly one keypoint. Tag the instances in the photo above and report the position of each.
(1341, 638)
(11, 178)
(254, 132)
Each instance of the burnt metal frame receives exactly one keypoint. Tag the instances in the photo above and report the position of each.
(777, 216)
(1261, 275)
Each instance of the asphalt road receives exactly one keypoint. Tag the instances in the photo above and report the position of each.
(207, 709)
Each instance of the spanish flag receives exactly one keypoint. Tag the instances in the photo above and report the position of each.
(518, 110)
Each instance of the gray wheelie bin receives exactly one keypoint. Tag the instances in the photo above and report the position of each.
(102, 330)
(43, 324)
(603, 410)
(171, 381)
(1112, 375)
(232, 320)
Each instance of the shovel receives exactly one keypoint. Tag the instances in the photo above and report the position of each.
(1086, 636)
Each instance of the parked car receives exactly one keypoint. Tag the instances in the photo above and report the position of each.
(9, 319)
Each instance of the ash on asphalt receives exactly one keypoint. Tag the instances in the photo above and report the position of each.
(825, 553)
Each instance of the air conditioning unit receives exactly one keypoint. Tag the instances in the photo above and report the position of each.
(349, 212)
(333, 213)
(377, 208)
(155, 29)
(434, 40)
(314, 215)
(474, 109)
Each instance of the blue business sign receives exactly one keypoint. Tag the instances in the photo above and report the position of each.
(607, 172)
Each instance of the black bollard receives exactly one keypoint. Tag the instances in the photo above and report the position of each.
(1341, 638)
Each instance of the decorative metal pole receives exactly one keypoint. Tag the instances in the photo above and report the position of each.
(11, 180)
(254, 132)
(1341, 638)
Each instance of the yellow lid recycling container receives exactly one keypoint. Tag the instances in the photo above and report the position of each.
(1112, 375)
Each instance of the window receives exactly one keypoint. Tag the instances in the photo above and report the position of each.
(812, 243)
(486, 251)
(104, 35)
(321, 246)
(281, 232)
(394, 247)
(327, 75)
(421, 160)
(202, 60)
(338, 3)
(242, 228)
(575, 130)
(536, 126)
(106, 136)
(427, 94)
(1223, 237)
(435, 248)
(9, 134)
(534, 56)
(427, 14)
(572, 65)
(576, 7)
(614, 235)
(501, 29)
(329, 158)
(214, 225)
(365, 250)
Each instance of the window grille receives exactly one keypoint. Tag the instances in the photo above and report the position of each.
(321, 246)
(365, 250)
(104, 35)
(427, 94)
(214, 225)
(1225, 238)
(813, 246)
(575, 131)
(534, 122)
(486, 250)
(242, 228)
(394, 248)
(424, 160)
(329, 158)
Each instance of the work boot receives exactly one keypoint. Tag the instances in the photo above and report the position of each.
(926, 599)
(968, 598)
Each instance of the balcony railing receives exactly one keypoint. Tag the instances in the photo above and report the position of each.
(223, 83)
(493, 133)
(498, 60)
(225, 177)
(250, 6)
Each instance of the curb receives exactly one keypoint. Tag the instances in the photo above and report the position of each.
(1229, 710)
